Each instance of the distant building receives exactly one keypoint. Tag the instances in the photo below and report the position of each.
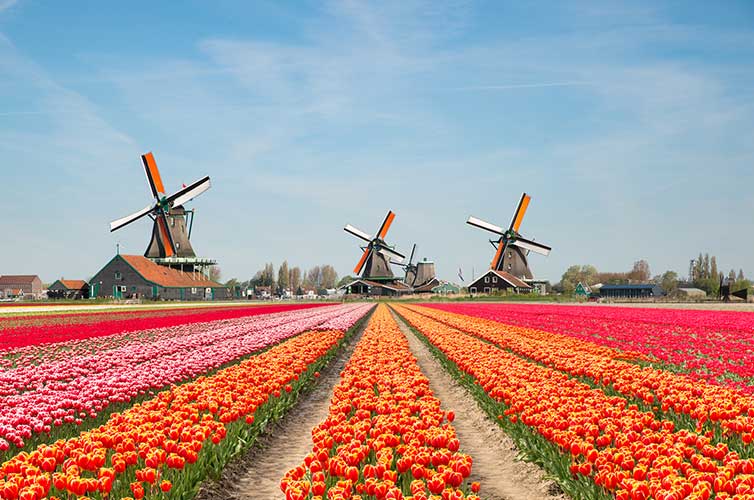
(446, 288)
(68, 289)
(27, 286)
(496, 281)
(363, 286)
(637, 291)
(135, 276)
(582, 289)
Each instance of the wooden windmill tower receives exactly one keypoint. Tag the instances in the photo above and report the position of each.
(170, 244)
(417, 274)
(512, 249)
(374, 264)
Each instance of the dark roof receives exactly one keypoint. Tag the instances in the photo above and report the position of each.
(165, 276)
(507, 277)
(15, 279)
(428, 286)
(637, 286)
(396, 286)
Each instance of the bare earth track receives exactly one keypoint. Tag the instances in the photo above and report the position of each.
(257, 475)
(494, 453)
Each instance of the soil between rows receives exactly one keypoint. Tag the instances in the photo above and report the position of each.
(494, 453)
(256, 475)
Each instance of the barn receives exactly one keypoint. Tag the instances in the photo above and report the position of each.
(496, 281)
(135, 276)
(26, 286)
(68, 289)
(633, 291)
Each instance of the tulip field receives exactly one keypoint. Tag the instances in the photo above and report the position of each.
(609, 402)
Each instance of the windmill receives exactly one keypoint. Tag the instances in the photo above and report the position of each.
(512, 248)
(170, 238)
(409, 267)
(378, 255)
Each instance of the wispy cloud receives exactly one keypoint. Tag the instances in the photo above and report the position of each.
(7, 4)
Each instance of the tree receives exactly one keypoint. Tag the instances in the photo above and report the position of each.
(296, 279)
(313, 278)
(640, 271)
(215, 273)
(586, 274)
(345, 280)
(283, 276)
(713, 267)
(329, 276)
(740, 276)
(669, 281)
(232, 284)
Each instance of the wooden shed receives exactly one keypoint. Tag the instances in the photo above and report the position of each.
(68, 289)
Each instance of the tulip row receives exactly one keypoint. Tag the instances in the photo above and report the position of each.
(37, 399)
(623, 450)
(24, 331)
(172, 441)
(726, 409)
(661, 333)
(385, 436)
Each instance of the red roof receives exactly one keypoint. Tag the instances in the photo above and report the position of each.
(166, 276)
(11, 279)
(73, 284)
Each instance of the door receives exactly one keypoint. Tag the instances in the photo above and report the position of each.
(117, 294)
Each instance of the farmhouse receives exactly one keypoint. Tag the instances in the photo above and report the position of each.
(495, 281)
(135, 276)
(20, 286)
(376, 288)
(635, 291)
(68, 289)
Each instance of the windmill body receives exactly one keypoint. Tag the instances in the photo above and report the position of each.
(511, 248)
(170, 244)
(375, 274)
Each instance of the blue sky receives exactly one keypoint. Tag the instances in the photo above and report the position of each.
(629, 123)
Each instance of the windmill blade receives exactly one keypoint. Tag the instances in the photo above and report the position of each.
(153, 175)
(166, 236)
(498, 255)
(362, 261)
(411, 258)
(532, 246)
(392, 254)
(357, 232)
(189, 193)
(518, 217)
(119, 223)
(485, 225)
(386, 225)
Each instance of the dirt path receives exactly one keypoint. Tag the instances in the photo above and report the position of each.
(495, 467)
(256, 476)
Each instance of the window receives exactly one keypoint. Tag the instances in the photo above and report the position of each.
(123, 288)
(486, 289)
(494, 279)
(172, 221)
(118, 276)
(177, 245)
(510, 255)
(133, 288)
(472, 289)
(509, 265)
(486, 279)
(193, 290)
